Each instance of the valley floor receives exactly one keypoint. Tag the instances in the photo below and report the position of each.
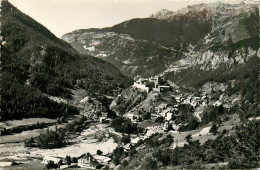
(95, 137)
(87, 141)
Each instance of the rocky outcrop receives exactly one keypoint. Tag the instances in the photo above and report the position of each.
(127, 100)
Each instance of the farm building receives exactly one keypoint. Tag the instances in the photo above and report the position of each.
(87, 160)
(48, 159)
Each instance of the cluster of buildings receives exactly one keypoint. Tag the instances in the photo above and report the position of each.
(192, 100)
(153, 129)
(152, 84)
(84, 161)
(166, 111)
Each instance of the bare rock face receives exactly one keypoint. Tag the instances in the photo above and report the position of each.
(225, 43)
(212, 60)
(211, 87)
(127, 100)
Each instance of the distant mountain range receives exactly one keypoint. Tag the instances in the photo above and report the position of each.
(35, 63)
(189, 46)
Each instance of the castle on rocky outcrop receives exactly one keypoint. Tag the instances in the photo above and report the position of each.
(152, 84)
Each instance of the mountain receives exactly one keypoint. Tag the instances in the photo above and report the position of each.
(162, 14)
(228, 51)
(131, 56)
(36, 64)
(188, 46)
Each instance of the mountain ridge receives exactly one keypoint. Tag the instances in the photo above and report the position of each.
(197, 48)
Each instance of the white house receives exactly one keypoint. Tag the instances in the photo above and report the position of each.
(141, 86)
(135, 140)
(103, 159)
(175, 127)
(102, 119)
(161, 107)
(164, 88)
(164, 112)
(47, 159)
(169, 116)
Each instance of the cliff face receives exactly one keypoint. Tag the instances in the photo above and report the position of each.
(127, 100)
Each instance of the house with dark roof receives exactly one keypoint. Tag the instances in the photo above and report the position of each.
(88, 161)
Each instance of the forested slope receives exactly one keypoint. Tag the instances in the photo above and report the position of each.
(35, 62)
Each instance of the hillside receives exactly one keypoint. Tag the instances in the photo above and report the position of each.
(131, 56)
(35, 63)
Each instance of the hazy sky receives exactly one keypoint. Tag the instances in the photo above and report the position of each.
(63, 16)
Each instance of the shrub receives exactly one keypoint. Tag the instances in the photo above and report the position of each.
(74, 160)
(124, 163)
(51, 165)
(14, 163)
(214, 129)
(159, 119)
(68, 160)
(188, 138)
(150, 164)
(124, 125)
(99, 152)
(126, 139)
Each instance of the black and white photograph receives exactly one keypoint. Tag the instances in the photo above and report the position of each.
(129, 84)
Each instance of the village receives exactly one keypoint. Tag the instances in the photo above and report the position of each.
(172, 100)
(94, 146)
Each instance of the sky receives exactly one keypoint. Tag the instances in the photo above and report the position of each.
(63, 16)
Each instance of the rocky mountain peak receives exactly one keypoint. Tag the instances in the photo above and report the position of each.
(210, 9)
(163, 13)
